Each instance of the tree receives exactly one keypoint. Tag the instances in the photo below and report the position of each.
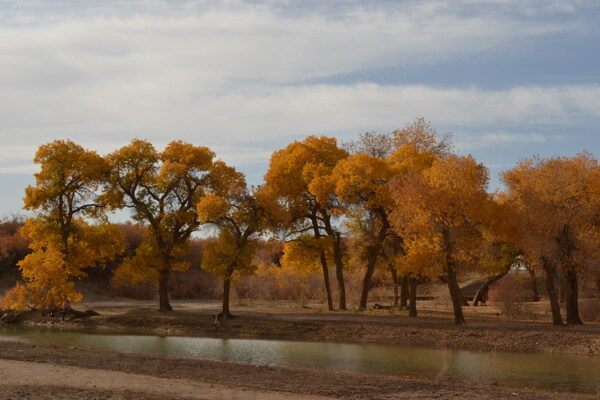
(557, 199)
(240, 217)
(300, 177)
(62, 241)
(362, 182)
(162, 190)
(437, 214)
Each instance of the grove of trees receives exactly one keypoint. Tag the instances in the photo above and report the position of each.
(405, 203)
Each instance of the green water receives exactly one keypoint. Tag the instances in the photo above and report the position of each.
(548, 371)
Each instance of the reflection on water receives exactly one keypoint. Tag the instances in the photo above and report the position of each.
(555, 372)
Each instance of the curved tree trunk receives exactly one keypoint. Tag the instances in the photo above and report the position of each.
(163, 291)
(550, 273)
(483, 290)
(571, 285)
(455, 293)
(404, 292)
(412, 284)
(373, 253)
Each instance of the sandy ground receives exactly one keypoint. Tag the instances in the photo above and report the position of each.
(48, 372)
(23, 374)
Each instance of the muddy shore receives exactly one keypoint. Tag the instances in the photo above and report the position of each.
(247, 381)
(427, 331)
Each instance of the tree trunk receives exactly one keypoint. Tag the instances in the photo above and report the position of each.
(326, 280)
(534, 289)
(163, 291)
(374, 249)
(572, 297)
(412, 312)
(484, 289)
(339, 271)
(404, 292)
(455, 293)
(324, 266)
(226, 290)
(550, 273)
(395, 283)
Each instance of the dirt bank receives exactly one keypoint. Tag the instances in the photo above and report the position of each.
(437, 331)
(29, 371)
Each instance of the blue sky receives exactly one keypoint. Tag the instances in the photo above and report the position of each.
(508, 78)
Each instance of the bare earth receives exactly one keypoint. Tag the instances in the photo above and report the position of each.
(433, 329)
(48, 372)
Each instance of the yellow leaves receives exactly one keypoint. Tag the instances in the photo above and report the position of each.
(226, 181)
(302, 256)
(557, 203)
(408, 159)
(363, 179)
(211, 208)
(225, 258)
(67, 170)
(437, 211)
(48, 271)
(292, 169)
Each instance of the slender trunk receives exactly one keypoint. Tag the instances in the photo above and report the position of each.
(404, 292)
(550, 273)
(339, 271)
(572, 297)
(481, 295)
(373, 253)
(163, 291)
(337, 259)
(326, 280)
(226, 290)
(534, 289)
(395, 283)
(413, 297)
(324, 266)
(455, 293)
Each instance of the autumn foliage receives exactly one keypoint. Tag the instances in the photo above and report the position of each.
(404, 204)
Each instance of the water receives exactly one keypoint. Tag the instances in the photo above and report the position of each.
(547, 371)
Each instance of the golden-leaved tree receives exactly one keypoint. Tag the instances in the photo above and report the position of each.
(162, 190)
(558, 201)
(63, 241)
(301, 179)
(437, 214)
(240, 217)
(362, 182)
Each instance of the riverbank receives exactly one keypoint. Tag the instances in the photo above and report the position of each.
(30, 371)
(270, 321)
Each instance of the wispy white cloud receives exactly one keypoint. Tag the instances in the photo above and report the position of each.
(233, 74)
(472, 142)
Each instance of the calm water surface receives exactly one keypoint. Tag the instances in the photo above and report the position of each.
(554, 372)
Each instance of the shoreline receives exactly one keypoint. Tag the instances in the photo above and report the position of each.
(233, 377)
(427, 331)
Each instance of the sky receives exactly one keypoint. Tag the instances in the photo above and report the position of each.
(508, 78)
